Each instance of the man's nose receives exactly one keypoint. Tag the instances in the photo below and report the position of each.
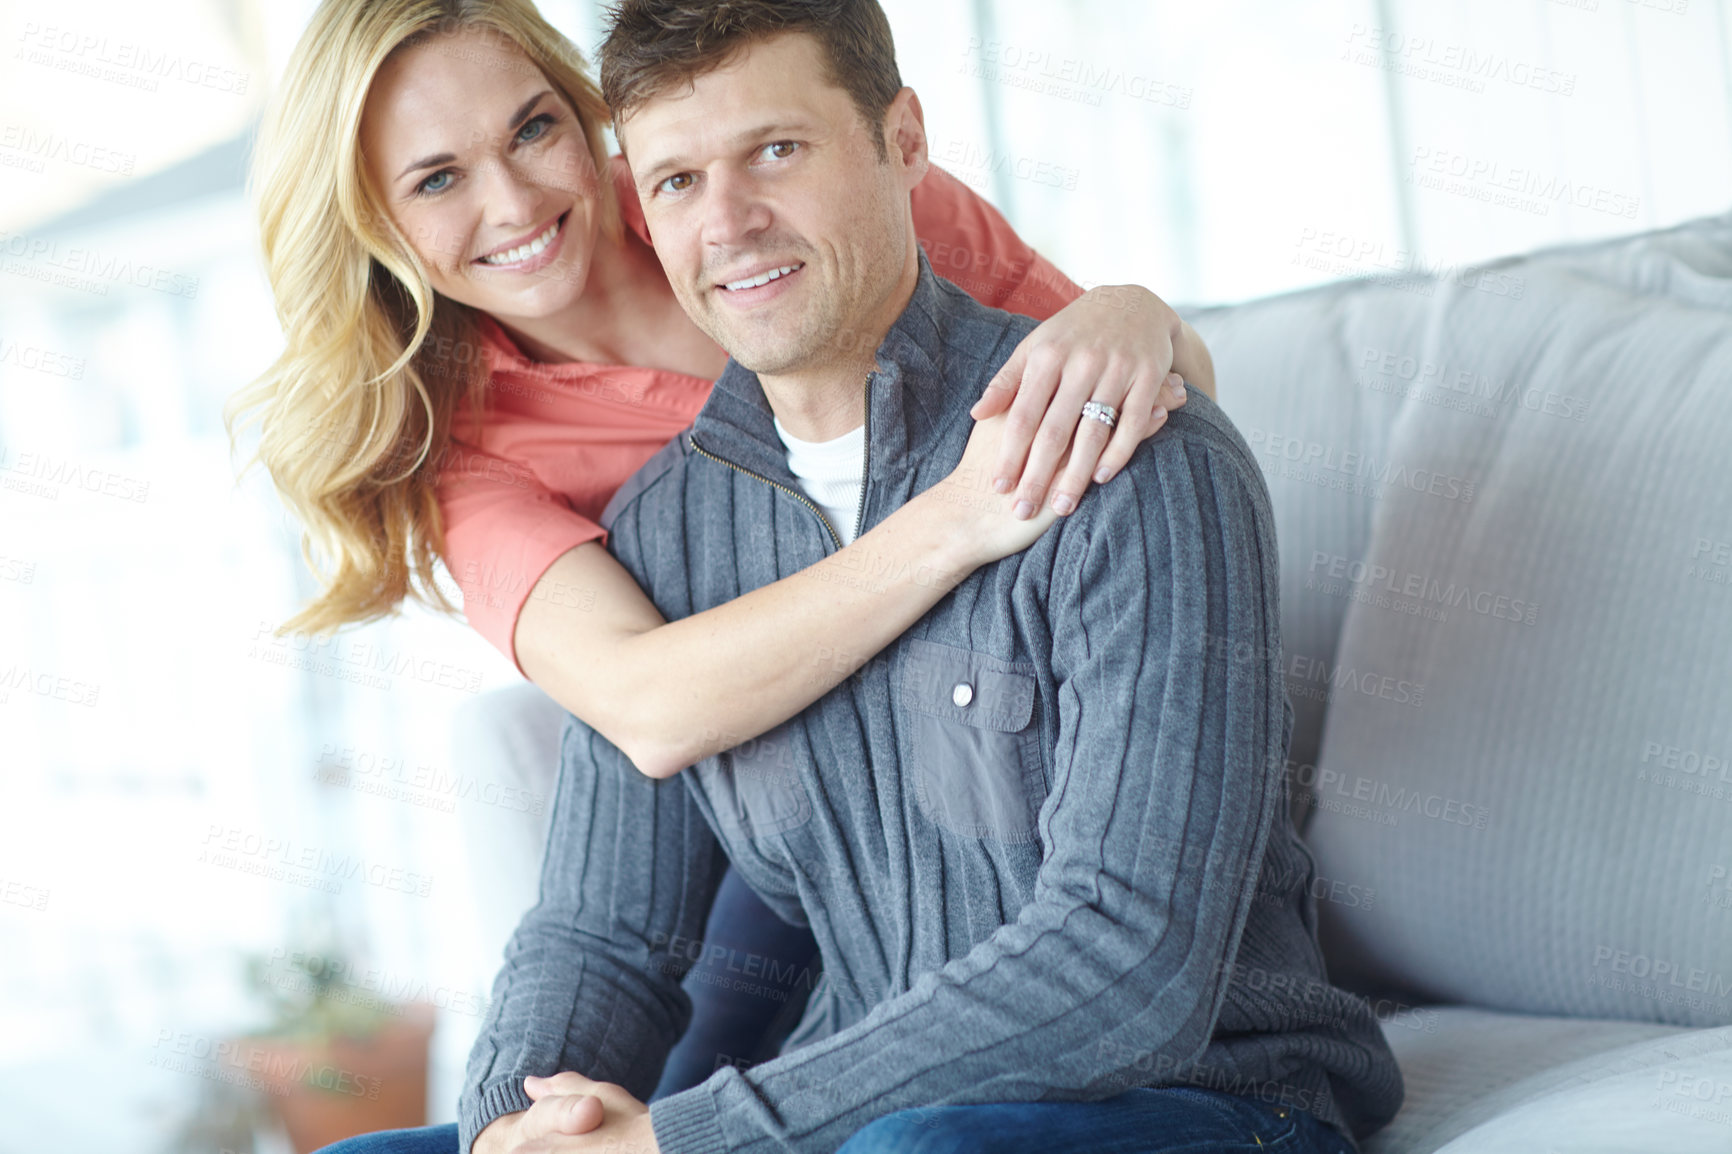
(734, 211)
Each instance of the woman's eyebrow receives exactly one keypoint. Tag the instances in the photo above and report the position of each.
(427, 162)
(517, 118)
(528, 106)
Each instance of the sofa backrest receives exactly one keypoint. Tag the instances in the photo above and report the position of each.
(1523, 788)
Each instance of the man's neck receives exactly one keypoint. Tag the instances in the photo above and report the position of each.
(820, 404)
(826, 400)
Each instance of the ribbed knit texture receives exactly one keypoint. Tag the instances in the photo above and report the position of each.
(1078, 880)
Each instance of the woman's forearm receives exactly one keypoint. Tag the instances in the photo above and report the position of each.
(669, 694)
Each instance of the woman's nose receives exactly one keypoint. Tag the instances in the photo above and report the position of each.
(512, 199)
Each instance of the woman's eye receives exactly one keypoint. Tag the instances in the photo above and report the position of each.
(678, 182)
(535, 128)
(438, 182)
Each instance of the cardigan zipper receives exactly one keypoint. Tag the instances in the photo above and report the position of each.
(865, 459)
(865, 468)
(800, 497)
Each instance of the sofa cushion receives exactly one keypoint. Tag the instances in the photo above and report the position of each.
(1462, 1067)
(1528, 754)
(1669, 1096)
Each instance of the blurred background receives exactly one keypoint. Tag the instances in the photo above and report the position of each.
(206, 831)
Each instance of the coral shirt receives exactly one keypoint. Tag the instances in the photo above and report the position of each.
(558, 439)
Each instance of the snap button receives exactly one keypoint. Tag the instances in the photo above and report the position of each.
(962, 694)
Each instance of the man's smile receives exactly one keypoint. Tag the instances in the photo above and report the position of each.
(760, 283)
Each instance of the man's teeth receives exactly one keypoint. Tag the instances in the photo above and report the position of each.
(762, 278)
(524, 251)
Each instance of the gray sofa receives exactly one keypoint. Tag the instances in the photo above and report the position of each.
(1504, 501)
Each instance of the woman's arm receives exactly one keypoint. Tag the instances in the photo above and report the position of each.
(670, 694)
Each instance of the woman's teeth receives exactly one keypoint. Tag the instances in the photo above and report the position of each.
(524, 251)
(763, 278)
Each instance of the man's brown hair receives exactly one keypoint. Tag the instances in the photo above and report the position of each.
(653, 45)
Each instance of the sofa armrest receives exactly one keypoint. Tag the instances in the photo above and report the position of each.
(506, 746)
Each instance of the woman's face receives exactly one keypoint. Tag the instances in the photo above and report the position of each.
(485, 169)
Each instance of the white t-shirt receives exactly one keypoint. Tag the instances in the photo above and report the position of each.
(830, 471)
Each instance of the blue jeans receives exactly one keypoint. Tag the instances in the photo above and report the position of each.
(1165, 1120)
(733, 1026)
(1160, 1120)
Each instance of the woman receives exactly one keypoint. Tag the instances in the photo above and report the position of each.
(479, 352)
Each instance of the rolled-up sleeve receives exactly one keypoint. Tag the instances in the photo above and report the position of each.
(1166, 783)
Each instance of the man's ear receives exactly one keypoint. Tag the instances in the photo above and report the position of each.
(905, 137)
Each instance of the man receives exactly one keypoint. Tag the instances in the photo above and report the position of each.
(1043, 840)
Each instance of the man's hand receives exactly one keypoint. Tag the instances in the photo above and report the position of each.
(572, 1115)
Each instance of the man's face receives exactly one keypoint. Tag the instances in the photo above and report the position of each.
(783, 234)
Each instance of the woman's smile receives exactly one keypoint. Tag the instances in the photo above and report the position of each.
(531, 255)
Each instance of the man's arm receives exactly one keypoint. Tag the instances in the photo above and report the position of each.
(1167, 782)
(591, 982)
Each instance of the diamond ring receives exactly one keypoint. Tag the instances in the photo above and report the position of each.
(1102, 412)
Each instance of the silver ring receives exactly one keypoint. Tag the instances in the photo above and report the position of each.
(1102, 412)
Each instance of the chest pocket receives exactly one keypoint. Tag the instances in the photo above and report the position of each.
(975, 754)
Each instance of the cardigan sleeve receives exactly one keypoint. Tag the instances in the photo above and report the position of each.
(591, 980)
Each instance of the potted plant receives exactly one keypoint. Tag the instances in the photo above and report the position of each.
(336, 1059)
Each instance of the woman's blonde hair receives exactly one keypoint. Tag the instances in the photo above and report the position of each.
(355, 416)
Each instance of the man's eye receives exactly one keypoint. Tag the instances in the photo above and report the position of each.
(438, 182)
(780, 150)
(678, 182)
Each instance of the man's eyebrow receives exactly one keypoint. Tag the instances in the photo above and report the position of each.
(653, 175)
(516, 121)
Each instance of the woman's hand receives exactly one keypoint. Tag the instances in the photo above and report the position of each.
(979, 520)
(1118, 344)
